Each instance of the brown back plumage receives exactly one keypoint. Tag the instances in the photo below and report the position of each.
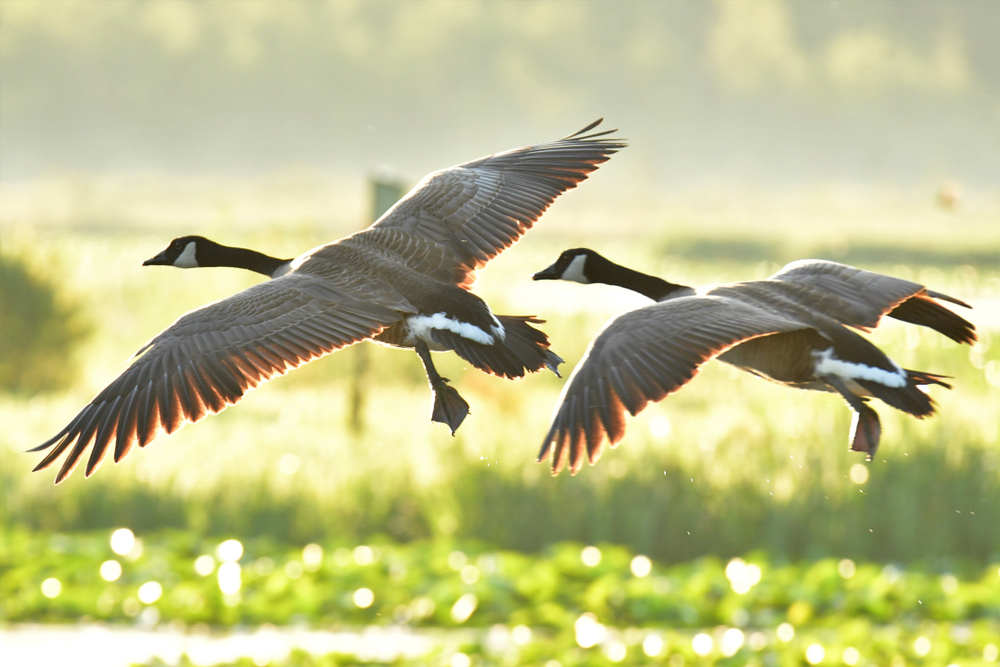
(446, 228)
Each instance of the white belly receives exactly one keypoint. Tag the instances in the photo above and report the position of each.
(827, 364)
(421, 327)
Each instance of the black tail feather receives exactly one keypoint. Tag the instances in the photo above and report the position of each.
(524, 349)
(910, 398)
(922, 378)
(926, 312)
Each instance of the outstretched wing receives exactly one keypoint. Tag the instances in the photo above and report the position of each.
(472, 212)
(861, 298)
(641, 357)
(210, 357)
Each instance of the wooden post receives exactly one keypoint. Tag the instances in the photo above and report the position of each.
(384, 193)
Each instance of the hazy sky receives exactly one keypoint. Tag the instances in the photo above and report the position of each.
(754, 91)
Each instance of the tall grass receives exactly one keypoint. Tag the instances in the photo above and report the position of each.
(728, 465)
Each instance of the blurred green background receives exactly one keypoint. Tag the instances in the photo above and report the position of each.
(760, 132)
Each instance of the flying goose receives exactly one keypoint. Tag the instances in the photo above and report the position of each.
(789, 328)
(405, 281)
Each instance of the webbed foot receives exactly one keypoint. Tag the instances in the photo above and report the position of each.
(865, 431)
(449, 407)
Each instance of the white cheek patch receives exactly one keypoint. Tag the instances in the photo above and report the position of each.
(827, 364)
(420, 326)
(187, 260)
(574, 271)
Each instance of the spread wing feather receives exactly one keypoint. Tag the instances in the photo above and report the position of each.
(861, 298)
(474, 211)
(641, 357)
(211, 357)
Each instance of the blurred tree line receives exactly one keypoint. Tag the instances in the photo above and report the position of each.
(772, 91)
(40, 331)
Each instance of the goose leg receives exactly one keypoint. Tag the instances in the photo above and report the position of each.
(865, 431)
(865, 427)
(449, 407)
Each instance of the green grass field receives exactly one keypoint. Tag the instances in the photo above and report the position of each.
(581, 606)
(731, 466)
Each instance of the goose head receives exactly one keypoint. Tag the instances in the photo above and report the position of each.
(579, 265)
(190, 252)
(185, 252)
(583, 265)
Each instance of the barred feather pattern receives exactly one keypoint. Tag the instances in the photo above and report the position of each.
(474, 211)
(641, 357)
(209, 359)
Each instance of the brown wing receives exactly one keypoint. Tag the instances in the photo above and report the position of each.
(860, 298)
(210, 357)
(640, 357)
(474, 211)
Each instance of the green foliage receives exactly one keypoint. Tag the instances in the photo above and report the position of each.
(728, 466)
(39, 331)
(837, 604)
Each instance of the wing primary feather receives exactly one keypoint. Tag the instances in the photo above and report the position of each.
(163, 400)
(85, 435)
(147, 414)
(103, 437)
(125, 433)
(221, 381)
(588, 129)
(187, 403)
(61, 446)
(209, 397)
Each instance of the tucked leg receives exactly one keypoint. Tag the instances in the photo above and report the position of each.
(866, 430)
(449, 407)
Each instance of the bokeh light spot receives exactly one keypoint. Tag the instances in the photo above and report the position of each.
(363, 555)
(641, 566)
(652, 645)
(469, 574)
(229, 551)
(859, 473)
(312, 557)
(702, 644)
(591, 556)
(204, 565)
(616, 651)
(363, 598)
(122, 541)
(589, 632)
(463, 608)
(732, 641)
(111, 570)
(150, 592)
(51, 587)
(230, 578)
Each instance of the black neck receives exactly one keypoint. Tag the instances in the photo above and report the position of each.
(240, 258)
(610, 273)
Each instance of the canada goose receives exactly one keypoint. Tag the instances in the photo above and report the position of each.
(788, 328)
(404, 282)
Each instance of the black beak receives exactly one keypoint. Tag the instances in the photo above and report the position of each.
(547, 274)
(159, 259)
